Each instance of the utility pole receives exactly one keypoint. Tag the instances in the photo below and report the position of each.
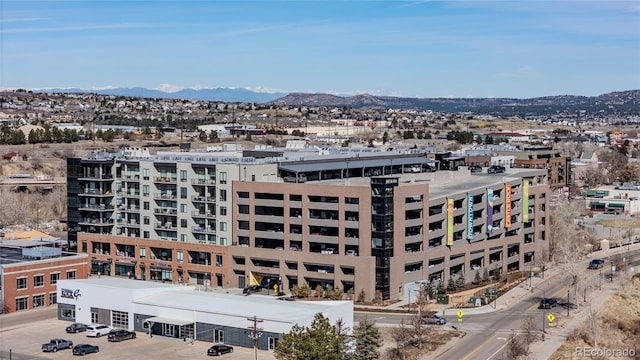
(255, 334)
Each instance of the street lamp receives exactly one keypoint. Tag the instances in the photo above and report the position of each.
(568, 302)
(611, 270)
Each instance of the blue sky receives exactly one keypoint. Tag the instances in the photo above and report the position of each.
(401, 48)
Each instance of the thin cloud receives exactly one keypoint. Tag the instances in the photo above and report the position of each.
(80, 28)
(15, 20)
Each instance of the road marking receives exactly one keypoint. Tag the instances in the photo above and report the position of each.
(501, 347)
(479, 347)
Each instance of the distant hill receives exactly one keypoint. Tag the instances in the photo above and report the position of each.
(215, 94)
(614, 103)
(621, 102)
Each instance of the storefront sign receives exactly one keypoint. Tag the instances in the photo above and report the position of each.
(70, 294)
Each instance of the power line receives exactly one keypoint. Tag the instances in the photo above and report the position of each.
(256, 332)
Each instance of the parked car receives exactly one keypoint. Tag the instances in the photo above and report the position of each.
(596, 263)
(475, 168)
(495, 169)
(413, 169)
(251, 289)
(351, 253)
(121, 334)
(57, 344)
(434, 319)
(76, 328)
(292, 178)
(548, 303)
(83, 349)
(97, 330)
(219, 349)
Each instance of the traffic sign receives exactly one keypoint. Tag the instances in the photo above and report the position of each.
(460, 314)
(550, 317)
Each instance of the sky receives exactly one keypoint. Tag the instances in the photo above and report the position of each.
(471, 49)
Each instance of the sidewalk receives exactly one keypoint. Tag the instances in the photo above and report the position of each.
(507, 298)
(556, 336)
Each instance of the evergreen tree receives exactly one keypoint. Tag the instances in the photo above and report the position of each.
(460, 281)
(485, 276)
(440, 288)
(367, 340)
(319, 341)
(451, 285)
(477, 278)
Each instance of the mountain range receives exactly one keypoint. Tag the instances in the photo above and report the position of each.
(618, 103)
(214, 94)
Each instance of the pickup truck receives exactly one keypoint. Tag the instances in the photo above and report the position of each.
(57, 344)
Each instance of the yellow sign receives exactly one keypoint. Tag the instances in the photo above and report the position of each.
(460, 313)
(550, 317)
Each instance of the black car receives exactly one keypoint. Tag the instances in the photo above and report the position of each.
(596, 264)
(548, 303)
(121, 334)
(217, 350)
(83, 349)
(251, 289)
(475, 168)
(496, 169)
(76, 328)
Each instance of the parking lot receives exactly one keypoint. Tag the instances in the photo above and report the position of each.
(25, 342)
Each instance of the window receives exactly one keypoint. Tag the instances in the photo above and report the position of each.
(243, 194)
(54, 277)
(183, 175)
(145, 190)
(84, 247)
(22, 303)
(21, 283)
(145, 235)
(53, 298)
(145, 174)
(145, 220)
(183, 193)
(120, 319)
(183, 208)
(223, 178)
(38, 301)
(223, 195)
(218, 260)
(69, 314)
(183, 223)
(223, 241)
(183, 237)
(223, 226)
(145, 205)
(179, 256)
(223, 211)
(38, 281)
(143, 253)
(71, 274)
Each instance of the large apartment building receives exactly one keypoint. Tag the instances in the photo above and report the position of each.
(358, 219)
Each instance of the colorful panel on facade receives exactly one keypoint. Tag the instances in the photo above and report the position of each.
(489, 211)
(469, 216)
(507, 205)
(449, 222)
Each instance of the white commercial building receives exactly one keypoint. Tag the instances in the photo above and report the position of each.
(187, 313)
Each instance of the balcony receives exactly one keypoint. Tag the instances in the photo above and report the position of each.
(166, 226)
(96, 177)
(203, 181)
(170, 180)
(94, 207)
(135, 177)
(203, 230)
(164, 196)
(95, 192)
(165, 211)
(198, 214)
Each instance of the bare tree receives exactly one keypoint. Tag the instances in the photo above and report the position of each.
(529, 331)
(516, 347)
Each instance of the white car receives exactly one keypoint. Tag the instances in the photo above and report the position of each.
(98, 330)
